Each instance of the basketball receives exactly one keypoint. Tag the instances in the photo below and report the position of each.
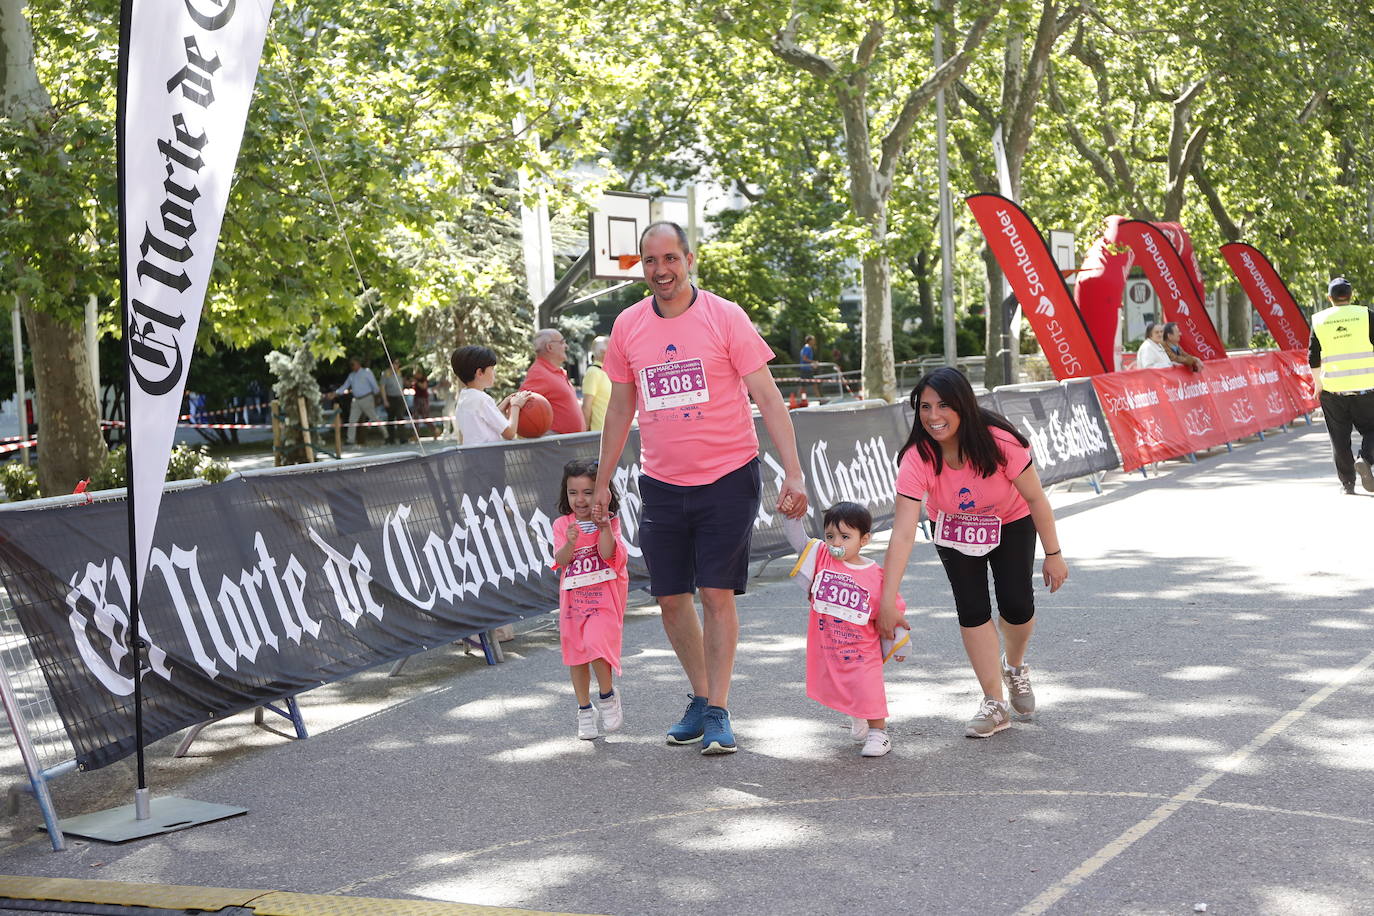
(536, 417)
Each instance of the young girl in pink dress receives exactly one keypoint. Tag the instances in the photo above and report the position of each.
(593, 584)
(844, 654)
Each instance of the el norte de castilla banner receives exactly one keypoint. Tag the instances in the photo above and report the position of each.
(264, 586)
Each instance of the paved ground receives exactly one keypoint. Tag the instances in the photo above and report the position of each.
(1205, 736)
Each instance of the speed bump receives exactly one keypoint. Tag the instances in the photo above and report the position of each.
(213, 899)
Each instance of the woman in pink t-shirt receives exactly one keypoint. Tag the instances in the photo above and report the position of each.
(972, 470)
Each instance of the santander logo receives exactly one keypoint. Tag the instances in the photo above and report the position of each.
(1046, 307)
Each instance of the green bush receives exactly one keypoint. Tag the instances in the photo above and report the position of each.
(185, 462)
(19, 481)
(112, 473)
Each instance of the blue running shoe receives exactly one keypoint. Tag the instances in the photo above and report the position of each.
(717, 736)
(688, 729)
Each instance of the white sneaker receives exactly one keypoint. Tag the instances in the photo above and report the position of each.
(858, 729)
(876, 744)
(586, 724)
(612, 714)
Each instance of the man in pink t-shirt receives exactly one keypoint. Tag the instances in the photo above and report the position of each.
(547, 376)
(688, 362)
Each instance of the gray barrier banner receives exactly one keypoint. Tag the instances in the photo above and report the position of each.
(261, 587)
(1067, 430)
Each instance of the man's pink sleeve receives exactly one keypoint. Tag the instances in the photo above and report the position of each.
(616, 364)
(748, 351)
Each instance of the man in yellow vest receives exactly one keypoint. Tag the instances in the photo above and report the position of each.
(1341, 355)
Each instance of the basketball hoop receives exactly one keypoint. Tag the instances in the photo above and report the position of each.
(627, 260)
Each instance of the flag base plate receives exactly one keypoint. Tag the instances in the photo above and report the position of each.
(119, 825)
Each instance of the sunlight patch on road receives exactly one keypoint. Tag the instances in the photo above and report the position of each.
(513, 883)
(1202, 673)
(741, 833)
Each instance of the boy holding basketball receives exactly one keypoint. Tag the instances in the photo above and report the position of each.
(477, 417)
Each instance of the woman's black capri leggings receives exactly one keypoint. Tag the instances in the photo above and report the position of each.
(1011, 562)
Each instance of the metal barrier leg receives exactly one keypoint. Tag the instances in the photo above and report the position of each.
(1192, 457)
(396, 668)
(38, 777)
(1261, 435)
(185, 746)
(491, 647)
(292, 712)
(1096, 483)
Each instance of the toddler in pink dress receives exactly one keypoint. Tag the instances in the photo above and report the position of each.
(844, 654)
(593, 587)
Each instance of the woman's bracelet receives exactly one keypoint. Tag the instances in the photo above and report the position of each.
(1055, 553)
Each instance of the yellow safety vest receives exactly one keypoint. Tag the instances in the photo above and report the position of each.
(1347, 359)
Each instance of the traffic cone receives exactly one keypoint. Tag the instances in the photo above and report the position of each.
(804, 401)
(792, 401)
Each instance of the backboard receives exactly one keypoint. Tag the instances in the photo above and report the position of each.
(1062, 247)
(617, 221)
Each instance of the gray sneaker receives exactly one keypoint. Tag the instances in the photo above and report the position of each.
(992, 717)
(1018, 688)
(1366, 477)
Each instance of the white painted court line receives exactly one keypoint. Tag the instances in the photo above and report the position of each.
(1119, 845)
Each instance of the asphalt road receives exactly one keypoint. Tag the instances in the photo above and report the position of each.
(1204, 737)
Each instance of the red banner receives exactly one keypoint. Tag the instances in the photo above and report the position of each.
(1156, 414)
(1234, 386)
(1035, 279)
(1179, 298)
(1297, 378)
(1269, 295)
(1142, 419)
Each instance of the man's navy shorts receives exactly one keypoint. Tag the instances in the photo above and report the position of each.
(698, 537)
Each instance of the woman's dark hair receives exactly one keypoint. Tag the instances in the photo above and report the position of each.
(1149, 326)
(976, 444)
(1169, 328)
(851, 514)
(468, 361)
(583, 467)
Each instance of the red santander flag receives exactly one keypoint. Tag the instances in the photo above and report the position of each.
(1178, 297)
(1269, 295)
(1026, 260)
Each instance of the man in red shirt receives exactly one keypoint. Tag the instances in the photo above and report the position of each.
(548, 377)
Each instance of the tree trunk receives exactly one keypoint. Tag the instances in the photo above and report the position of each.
(1237, 306)
(879, 371)
(70, 447)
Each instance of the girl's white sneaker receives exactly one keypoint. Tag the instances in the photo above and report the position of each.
(876, 744)
(586, 724)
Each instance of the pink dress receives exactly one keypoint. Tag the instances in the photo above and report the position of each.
(844, 661)
(592, 616)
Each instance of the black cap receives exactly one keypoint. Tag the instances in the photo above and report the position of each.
(1339, 288)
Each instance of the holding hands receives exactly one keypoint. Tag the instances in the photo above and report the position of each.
(792, 496)
(890, 620)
